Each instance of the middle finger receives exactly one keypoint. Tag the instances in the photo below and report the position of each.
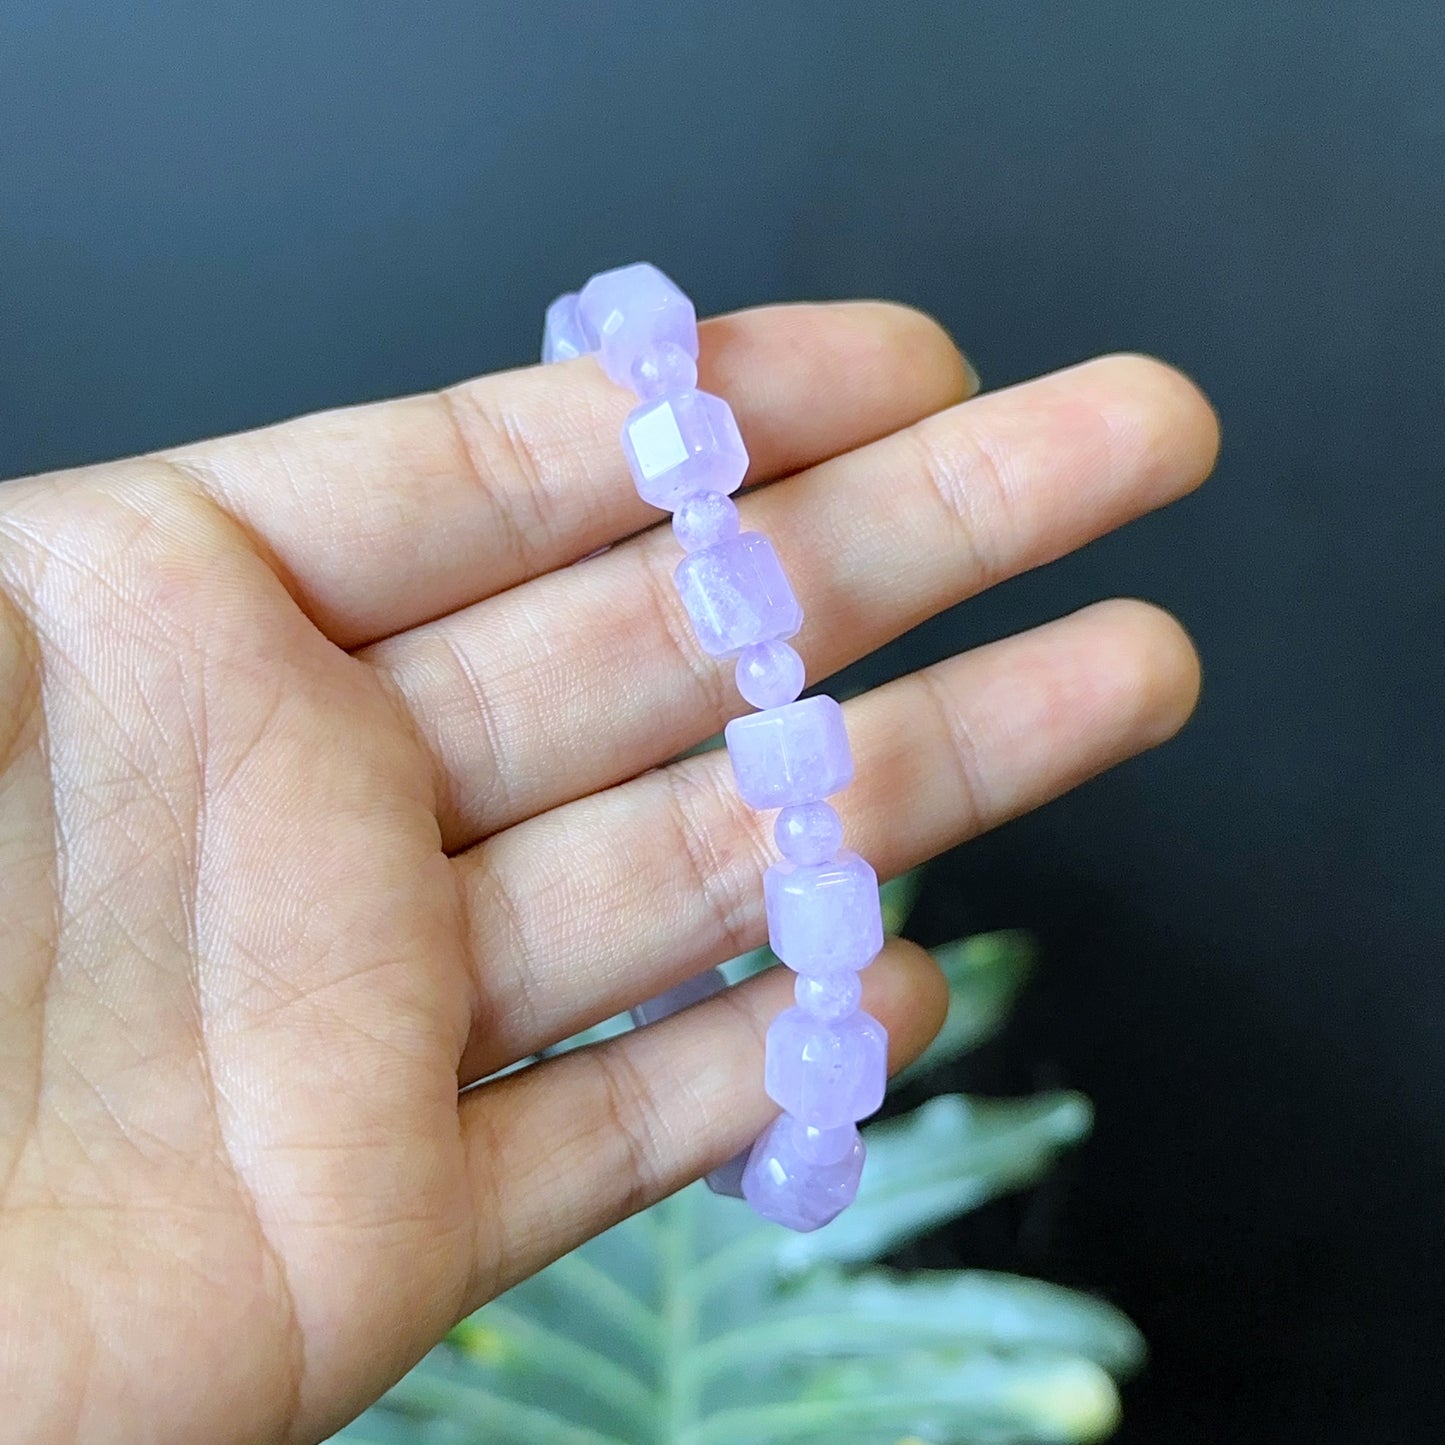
(590, 675)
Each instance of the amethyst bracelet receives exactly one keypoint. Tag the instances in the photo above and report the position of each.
(826, 1059)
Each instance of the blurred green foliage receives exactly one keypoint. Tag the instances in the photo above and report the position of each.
(695, 1323)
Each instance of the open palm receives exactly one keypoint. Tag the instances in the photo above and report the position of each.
(327, 787)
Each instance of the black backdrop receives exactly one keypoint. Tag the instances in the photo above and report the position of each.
(213, 216)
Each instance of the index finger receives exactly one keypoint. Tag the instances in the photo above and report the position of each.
(382, 517)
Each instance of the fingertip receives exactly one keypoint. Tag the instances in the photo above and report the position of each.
(811, 380)
(906, 991)
(1175, 665)
(917, 345)
(1156, 408)
(1155, 662)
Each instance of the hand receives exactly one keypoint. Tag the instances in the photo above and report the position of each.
(327, 786)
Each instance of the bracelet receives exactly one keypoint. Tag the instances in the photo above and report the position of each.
(826, 1062)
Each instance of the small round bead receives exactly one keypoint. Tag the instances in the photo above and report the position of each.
(808, 833)
(662, 368)
(704, 519)
(828, 996)
(770, 674)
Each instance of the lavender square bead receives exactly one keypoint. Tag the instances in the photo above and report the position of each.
(824, 917)
(563, 337)
(826, 1074)
(631, 310)
(685, 442)
(796, 753)
(787, 1182)
(737, 594)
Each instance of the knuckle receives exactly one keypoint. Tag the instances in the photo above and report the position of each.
(974, 798)
(502, 465)
(673, 627)
(714, 864)
(966, 476)
(628, 1115)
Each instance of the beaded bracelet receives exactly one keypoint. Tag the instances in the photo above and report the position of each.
(826, 1061)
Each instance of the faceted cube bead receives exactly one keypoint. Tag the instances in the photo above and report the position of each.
(822, 1146)
(684, 442)
(824, 917)
(632, 310)
(785, 1180)
(797, 753)
(826, 1073)
(563, 336)
(736, 594)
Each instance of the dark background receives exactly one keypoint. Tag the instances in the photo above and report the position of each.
(209, 221)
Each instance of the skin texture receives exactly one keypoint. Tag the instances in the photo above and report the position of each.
(328, 786)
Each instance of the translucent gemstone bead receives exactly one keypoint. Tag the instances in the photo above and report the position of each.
(785, 1184)
(705, 519)
(823, 1146)
(632, 310)
(727, 1179)
(682, 995)
(829, 996)
(770, 674)
(808, 832)
(797, 753)
(663, 368)
(686, 441)
(826, 1073)
(824, 917)
(736, 594)
(563, 336)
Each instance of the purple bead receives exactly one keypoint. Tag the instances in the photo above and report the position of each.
(705, 519)
(826, 1060)
(797, 753)
(828, 996)
(826, 1073)
(770, 674)
(784, 1183)
(564, 337)
(808, 832)
(737, 594)
(822, 1146)
(684, 442)
(631, 311)
(663, 368)
(824, 917)
(697, 989)
(727, 1178)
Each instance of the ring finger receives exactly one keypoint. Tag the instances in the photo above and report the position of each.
(597, 905)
